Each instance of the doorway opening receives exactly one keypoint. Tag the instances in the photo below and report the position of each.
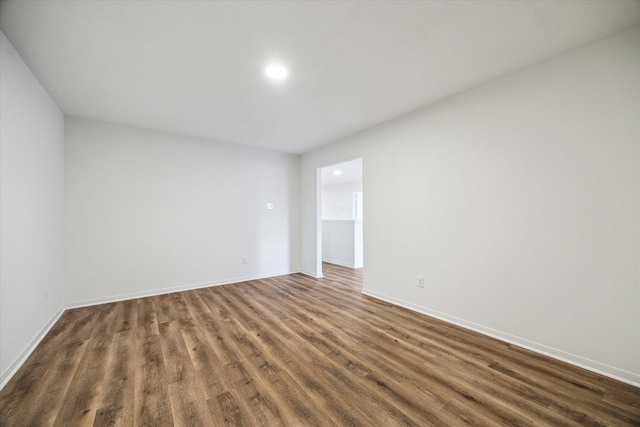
(340, 219)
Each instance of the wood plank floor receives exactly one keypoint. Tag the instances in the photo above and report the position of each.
(294, 351)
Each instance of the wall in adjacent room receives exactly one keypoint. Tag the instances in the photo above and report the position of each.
(337, 200)
(518, 201)
(148, 212)
(31, 211)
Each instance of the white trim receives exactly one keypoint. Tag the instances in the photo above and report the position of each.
(342, 221)
(162, 291)
(22, 357)
(591, 365)
(342, 264)
(310, 274)
(582, 362)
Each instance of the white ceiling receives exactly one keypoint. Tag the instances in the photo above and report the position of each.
(349, 171)
(196, 67)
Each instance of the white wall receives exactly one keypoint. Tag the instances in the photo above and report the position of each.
(337, 199)
(518, 201)
(149, 211)
(31, 210)
(342, 242)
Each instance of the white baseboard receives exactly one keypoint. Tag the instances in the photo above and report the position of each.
(600, 368)
(162, 291)
(6, 376)
(582, 362)
(310, 274)
(340, 263)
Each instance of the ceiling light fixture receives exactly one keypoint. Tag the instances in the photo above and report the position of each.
(276, 71)
(337, 172)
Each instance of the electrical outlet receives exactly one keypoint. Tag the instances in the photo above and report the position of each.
(421, 281)
(243, 260)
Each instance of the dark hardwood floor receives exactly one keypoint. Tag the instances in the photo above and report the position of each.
(294, 351)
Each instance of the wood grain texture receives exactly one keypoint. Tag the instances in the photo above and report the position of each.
(293, 351)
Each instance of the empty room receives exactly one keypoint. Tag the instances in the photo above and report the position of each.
(319, 213)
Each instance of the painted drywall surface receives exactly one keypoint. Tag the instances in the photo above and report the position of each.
(337, 200)
(148, 211)
(338, 242)
(519, 202)
(358, 244)
(31, 209)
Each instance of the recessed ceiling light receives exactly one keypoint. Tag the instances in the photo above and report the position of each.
(276, 71)
(337, 172)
